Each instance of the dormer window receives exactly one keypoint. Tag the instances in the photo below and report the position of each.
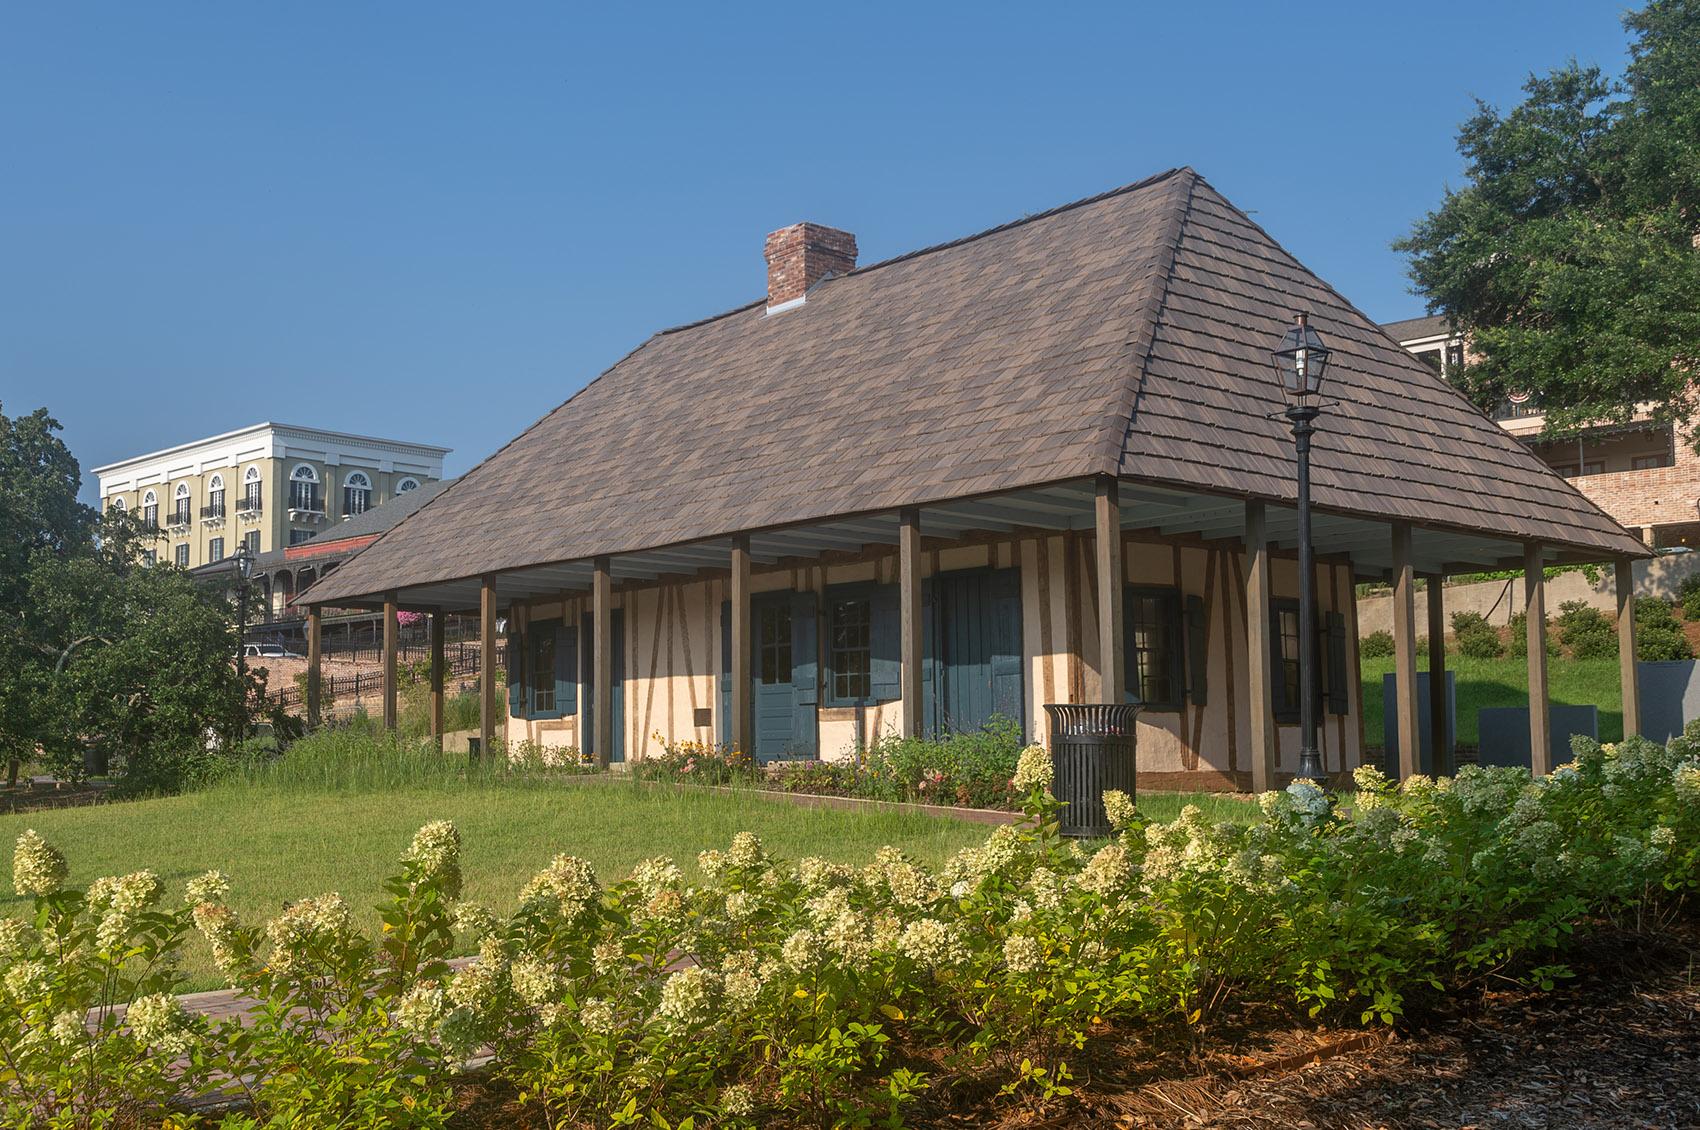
(356, 494)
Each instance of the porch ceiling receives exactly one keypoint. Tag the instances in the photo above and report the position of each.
(1146, 509)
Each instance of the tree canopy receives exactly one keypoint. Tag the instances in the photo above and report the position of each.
(94, 646)
(1569, 259)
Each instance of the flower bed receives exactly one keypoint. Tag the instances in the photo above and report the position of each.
(813, 993)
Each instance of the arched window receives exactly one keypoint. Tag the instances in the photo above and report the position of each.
(304, 490)
(406, 485)
(150, 510)
(180, 505)
(118, 504)
(215, 498)
(251, 484)
(356, 494)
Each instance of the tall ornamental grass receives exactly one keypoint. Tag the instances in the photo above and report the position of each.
(766, 991)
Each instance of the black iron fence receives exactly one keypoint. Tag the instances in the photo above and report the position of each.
(461, 660)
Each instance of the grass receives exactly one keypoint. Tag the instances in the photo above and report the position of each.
(336, 812)
(1505, 682)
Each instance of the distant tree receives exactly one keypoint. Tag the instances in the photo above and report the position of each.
(94, 646)
(1569, 258)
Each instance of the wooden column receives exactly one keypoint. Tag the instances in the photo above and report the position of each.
(392, 639)
(1535, 608)
(1439, 750)
(741, 726)
(1629, 670)
(602, 629)
(909, 584)
(1265, 750)
(1112, 644)
(315, 645)
(437, 677)
(1405, 650)
(487, 663)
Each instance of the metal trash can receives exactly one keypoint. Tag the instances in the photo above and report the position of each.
(1093, 748)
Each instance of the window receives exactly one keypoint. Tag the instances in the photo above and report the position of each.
(775, 645)
(1646, 462)
(215, 498)
(406, 485)
(1155, 650)
(118, 505)
(296, 537)
(304, 490)
(215, 549)
(180, 505)
(1454, 357)
(149, 557)
(251, 539)
(183, 556)
(150, 510)
(1285, 641)
(541, 671)
(851, 648)
(251, 484)
(356, 494)
(1431, 358)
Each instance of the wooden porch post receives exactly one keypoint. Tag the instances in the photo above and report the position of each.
(602, 617)
(315, 631)
(487, 663)
(437, 677)
(392, 638)
(1629, 670)
(909, 577)
(741, 725)
(1112, 650)
(1405, 650)
(1535, 608)
(1265, 752)
(1438, 747)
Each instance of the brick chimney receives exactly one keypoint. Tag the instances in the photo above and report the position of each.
(800, 256)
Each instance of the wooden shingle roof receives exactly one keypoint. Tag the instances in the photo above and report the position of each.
(1125, 334)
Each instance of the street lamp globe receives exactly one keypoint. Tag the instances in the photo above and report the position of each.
(1300, 360)
(244, 561)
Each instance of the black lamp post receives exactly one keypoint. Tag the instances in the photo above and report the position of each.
(1300, 361)
(244, 562)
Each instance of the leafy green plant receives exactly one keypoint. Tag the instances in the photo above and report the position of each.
(1376, 645)
(1585, 630)
(1476, 638)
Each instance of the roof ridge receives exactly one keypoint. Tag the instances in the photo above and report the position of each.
(1147, 311)
(1136, 186)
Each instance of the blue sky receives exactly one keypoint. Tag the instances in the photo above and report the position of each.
(437, 221)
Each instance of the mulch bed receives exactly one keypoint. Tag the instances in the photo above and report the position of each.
(1617, 1047)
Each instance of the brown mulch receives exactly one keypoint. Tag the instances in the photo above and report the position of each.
(1617, 1047)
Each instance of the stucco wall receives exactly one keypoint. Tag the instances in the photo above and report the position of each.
(672, 648)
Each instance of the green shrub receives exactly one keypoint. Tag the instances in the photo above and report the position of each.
(1517, 637)
(1376, 645)
(1585, 630)
(1477, 639)
(1657, 634)
(1688, 595)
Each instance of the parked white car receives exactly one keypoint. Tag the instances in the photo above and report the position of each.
(268, 651)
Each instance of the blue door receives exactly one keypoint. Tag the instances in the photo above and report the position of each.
(971, 650)
(783, 674)
(587, 687)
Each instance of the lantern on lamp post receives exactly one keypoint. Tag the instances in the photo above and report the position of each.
(1300, 361)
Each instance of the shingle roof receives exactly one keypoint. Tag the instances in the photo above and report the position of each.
(381, 518)
(1124, 334)
(1412, 328)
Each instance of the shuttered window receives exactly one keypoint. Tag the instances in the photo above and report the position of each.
(862, 642)
(1155, 654)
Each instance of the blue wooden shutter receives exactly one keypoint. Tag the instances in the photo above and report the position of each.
(805, 673)
(1197, 650)
(519, 702)
(929, 665)
(1336, 662)
(1009, 685)
(566, 670)
(725, 671)
(886, 641)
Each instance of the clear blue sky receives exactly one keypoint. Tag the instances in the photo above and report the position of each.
(437, 221)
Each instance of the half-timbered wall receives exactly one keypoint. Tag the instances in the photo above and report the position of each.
(672, 648)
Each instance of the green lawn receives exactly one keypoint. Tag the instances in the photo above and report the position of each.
(281, 844)
(1505, 682)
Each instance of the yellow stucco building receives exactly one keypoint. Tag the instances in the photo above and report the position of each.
(270, 485)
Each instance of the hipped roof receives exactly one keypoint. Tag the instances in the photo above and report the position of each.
(1127, 334)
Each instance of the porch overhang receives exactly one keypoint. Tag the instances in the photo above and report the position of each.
(1148, 510)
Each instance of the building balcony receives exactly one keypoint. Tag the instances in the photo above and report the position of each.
(215, 510)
